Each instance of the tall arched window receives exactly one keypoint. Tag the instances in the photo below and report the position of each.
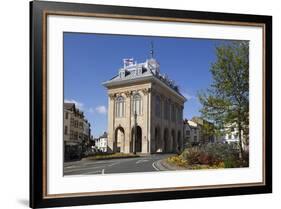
(173, 113)
(169, 109)
(158, 106)
(176, 113)
(120, 107)
(137, 104)
(180, 115)
(166, 109)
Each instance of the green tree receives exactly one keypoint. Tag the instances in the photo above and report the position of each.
(226, 101)
(209, 130)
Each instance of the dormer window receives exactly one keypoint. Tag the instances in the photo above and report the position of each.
(122, 73)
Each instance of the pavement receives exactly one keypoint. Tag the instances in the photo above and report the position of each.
(147, 163)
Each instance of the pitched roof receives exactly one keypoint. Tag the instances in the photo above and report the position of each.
(104, 135)
(71, 106)
(68, 106)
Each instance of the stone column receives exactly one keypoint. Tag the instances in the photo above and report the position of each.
(146, 120)
(170, 144)
(181, 128)
(111, 118)
(162, 122)
(128, 128)
(149, 129)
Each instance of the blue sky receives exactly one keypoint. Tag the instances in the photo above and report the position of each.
(90, 59)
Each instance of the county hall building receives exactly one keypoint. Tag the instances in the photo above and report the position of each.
(145, 110)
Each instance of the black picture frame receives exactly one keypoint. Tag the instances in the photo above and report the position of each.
(39, 10)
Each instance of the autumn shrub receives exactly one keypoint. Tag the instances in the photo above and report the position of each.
(213, 154)
(195, 155)
(177, 160)
(221, 151)
(191, 155)
(206, 158)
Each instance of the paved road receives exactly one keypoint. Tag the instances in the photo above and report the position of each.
(128, 165)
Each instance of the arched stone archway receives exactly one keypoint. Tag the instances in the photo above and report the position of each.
(119, 141)
(157, 135)
(174, 142)
(179, 142)
(166, 140)
(137, 140)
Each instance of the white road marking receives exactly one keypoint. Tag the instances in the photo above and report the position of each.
(82, 168)
(92, 172)
(70, 166)
(141, 161)
(98, 167)
(95, 163)
(113, 164)
(153, 165)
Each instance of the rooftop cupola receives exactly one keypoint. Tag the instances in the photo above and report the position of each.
(151, 63)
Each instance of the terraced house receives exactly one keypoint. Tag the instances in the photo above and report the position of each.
(77, 130)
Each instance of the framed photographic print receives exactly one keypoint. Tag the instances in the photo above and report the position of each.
(139, 104)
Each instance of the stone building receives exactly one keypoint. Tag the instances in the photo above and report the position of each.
(145, 110)
(206, 130)
(191, 133)
(231, 136)
(101, 143)
(77, 130)
(198, 131)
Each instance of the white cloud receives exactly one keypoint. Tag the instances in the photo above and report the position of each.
(100, 109)
(79, 105)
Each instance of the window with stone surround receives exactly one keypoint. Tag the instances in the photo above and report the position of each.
(173, 113)
(120, 107)
(72, 122)
(179, 114)
(137, 104)
(167, 110)
(176, 113)
(76, 123)
(71, 135)
(65, 130)
(195, 138)
(158, 106)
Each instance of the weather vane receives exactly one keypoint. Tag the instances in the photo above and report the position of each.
(151, 50)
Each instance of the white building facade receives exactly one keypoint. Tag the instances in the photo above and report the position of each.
(231, 135)
(101, 143)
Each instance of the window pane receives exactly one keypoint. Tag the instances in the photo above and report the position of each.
(120, 106)
(122, 109)
(158, 106)
(137, 104)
